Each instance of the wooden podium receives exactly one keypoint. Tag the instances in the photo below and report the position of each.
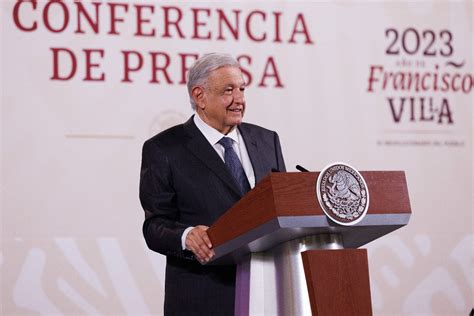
(317, 268)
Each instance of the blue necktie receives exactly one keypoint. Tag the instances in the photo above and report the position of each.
(233, 163)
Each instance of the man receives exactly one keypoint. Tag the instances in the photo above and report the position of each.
(191, 174)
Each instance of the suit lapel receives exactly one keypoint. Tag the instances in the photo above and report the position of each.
(200, 147)
(252, 149)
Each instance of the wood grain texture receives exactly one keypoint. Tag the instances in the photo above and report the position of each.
(338, 282)
(294, 194)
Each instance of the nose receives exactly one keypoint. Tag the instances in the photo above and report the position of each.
(239, 96)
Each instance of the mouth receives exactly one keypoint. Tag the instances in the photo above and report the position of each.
(238, 110)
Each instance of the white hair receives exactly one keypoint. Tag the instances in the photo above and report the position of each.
(202, 68)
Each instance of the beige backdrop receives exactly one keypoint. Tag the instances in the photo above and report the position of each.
(323, 77)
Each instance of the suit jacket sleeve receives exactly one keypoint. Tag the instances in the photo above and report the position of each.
(161, 229)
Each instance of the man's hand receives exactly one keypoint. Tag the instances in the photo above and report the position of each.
(199, 243)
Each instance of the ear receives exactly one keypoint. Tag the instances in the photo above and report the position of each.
(198, 97)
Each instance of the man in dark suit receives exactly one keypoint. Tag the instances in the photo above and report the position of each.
(191, 174)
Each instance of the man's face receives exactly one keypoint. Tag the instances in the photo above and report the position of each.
(222, 103)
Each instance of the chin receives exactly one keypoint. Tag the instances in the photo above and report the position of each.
(236, 122)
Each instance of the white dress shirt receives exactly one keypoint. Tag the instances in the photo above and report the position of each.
(213, 136)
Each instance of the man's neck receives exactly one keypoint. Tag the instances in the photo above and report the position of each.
(204, 119)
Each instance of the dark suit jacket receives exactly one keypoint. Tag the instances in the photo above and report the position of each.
(185, 183)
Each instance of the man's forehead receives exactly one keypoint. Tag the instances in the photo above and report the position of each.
(227, 75)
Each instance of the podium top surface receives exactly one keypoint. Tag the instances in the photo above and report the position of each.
(284, 206)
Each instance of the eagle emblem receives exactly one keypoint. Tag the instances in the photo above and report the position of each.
(342, 194)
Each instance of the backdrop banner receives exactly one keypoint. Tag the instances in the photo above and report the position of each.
(379, 85)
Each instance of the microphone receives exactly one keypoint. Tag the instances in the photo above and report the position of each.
(301, 168)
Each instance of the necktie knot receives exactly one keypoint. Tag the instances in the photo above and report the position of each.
(226, 142)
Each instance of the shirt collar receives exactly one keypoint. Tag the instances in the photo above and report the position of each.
(212, 135)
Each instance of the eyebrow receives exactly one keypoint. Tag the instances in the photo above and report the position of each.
(234, 85)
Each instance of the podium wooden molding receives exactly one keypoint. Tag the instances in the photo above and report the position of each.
(338, 281)
(283, 208)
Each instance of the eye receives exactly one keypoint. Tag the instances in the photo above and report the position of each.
(242, 89)
(228, 90)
